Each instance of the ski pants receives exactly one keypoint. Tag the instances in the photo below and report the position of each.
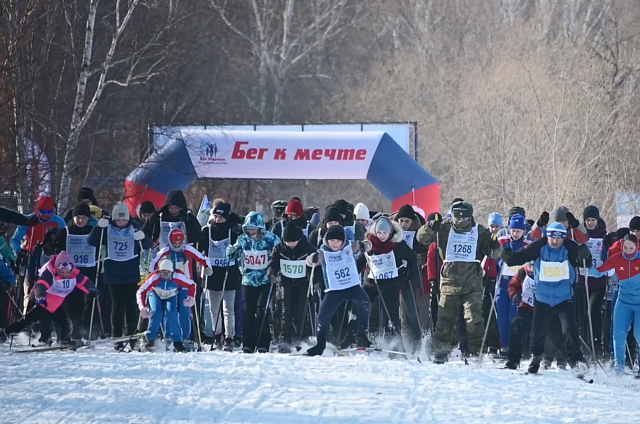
(60, 317)
(330, 303)
(184, 316)
(390, 298)
(506, 310)
(228, 301)
(255, 317)
(293, 310)
(124, 309)
(410, 312)
(596, 299)
(624, 314)
(543, 317)
(167, 311)
(452, 298)
(521, 328)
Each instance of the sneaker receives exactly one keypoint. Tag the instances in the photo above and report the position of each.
(179, 347)
(534, 366)
(512, 365)
(228, 344)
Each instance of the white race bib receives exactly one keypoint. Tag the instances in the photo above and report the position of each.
(553, 272)
(409, 237)
(595, 247)
(293, 269)
(462, 247)
(83, 254)
(165, 229)
(120, 244)
(165, 294)
(218, 252)
(529, 291)
(383, 267)
(256, 259)
(62, 286)
(342, 272)
(508, 271)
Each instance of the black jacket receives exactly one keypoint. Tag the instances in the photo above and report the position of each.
(216, 280)
(73, 229)
(174, 197)
(300, 252)
(301, 222)
(12, 217)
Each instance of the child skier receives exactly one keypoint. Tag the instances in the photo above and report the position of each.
(254, 247)
(158, 297)
(342, 284)
(288, 261)
(58, 279)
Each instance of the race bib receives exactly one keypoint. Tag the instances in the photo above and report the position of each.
(83, 254)
(256, 259)
(508, 271)
(165, 294)
(383, 267)
(554, 272)
(409, 237)
(341, 270)
(595, 247)
(218, 253)
(293, 269)
(165, 229)
(62, 287)
(462, 247)
(529, 291)
(120, 244)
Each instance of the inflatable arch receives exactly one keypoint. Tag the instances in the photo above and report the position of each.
(204, 154)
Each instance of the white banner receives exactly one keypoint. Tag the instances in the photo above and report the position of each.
(281, 155)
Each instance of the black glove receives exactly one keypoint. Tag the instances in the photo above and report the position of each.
(436, 223)
(573, 222)
(517, 298)
(4, 286)
(94, 292)
(543, 220)
(314, 258)
(609, 240)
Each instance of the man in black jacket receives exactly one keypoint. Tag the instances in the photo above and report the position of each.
(164, 220)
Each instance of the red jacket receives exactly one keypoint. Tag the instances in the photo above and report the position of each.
(56, 288)
(515, 285)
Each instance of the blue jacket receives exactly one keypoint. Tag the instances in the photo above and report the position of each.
(514, 245)
(245, 243)
(551, 293)
(6, 274)
(628, 272)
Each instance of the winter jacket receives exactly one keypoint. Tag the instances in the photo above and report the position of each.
(628, 272)
(12, 217)
(551, 293)
(56, 288)
(34, 234)
(264, 242)
(412, 235)
(232, 273)
(284, 253)
(73, 229)
(514, 245)
(119, 272)
(153, 281)
(183, 259)
(595, 246)
(6, 274)
(301, 222)
(515, 285)
(192, 226)
(6, 251)
(404, 257)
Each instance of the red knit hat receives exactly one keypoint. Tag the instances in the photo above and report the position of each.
(46, 203)
(295, 207)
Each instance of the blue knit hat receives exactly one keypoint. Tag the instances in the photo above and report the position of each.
(496, 219)
(556, 230)
(518, 222)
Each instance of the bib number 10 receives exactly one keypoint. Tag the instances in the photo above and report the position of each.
(462, 248)
(343, 273)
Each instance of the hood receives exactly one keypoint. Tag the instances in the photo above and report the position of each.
(176, 197)
(600, 231)
(254, 220)
(398, 232)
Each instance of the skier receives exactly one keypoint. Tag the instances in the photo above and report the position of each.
(147, 209)
(277, 209)
(362, 215)
(561, 214)
(58, 279)
(157, 300)
(7, 281)
(174, 214)
(353, 229)
(461, 243)
(295, 214)
(555, 258)
(254, 247)
(121, 266)
(341, 283)
(288, 263)
(86, 196)
(5, 250)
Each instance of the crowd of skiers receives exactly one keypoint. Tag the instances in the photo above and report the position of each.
(551, 288)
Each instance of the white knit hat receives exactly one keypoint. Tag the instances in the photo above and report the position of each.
(120, 211)
(166, 265)
(361, 211)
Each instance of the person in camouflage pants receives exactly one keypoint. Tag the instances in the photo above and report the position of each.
(462, 244)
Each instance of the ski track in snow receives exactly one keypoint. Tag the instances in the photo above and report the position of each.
(102, 386)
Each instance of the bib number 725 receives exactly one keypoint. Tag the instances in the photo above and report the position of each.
(121, 246)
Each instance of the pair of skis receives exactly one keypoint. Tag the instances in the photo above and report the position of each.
(79, 345)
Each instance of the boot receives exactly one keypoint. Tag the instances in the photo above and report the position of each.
(149, 345)
(316, 350)
(228, 344)
(263, 350)
(363, 341)
(347, 342)
(217, 342)
(119, 347)
(248, 350)
(534, 366)
(512, 365)
(179, 347)
(69, 344)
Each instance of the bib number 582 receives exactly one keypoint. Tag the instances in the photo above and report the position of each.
(343, 273)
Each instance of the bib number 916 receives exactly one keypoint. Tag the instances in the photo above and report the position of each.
(81, 259)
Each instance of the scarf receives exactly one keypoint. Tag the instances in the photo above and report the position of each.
(381, 247)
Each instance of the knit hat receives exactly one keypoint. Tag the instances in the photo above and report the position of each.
(87, 193)
(332, 214)
(46, 203)
(496, 219)
(559, 214)
(96, 212)
(361, 211)
(406, 211)
(292, 232)
(516, 210)
(634, 224)
(296, 207)
(382, 224)
(147, 207)
(166, 265)
(343, 206)
(81, 209)
(120, 211)
(622, 232)
(63, 261)
(556, 230)
(518, 223)
(222, 209)
(335, 232)
(590, 212)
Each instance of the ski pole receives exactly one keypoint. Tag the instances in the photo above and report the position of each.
(264, 317)
(219, 314)
(586, 283)
(306, 305)
(197, 318)
(93, 308)
(392, 324)
(486, 328)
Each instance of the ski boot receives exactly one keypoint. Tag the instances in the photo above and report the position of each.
(316, 350)
(363, 341)
(512, 365)
(263, 350)
(285, 346)
(248, 350)
(179, 347)
(149, 345)
(217, 342)
(119, 347)
(228, 344)
(534, 366)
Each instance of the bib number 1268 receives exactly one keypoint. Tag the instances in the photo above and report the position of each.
(462, 248)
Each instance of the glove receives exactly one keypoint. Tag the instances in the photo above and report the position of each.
(608, 240)
(495, 244)
(573, 222)
(5, 286)
(94, 292)
(543, 220)
(517, 298)
(103, 223)
(316, 258)
(365, 246)
(138, 235)
(145, 313)
(435, 224)
(208, 272)
(231, 250)
(189, 302)
(42, 301)
(404, 264)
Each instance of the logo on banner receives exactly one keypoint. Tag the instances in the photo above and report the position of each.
(214, 151)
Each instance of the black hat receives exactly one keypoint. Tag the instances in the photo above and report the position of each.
(147, 207)
(462, 209)
(332, 214)
(292, 232)
(517, 210)
(87, 193)
(343, 205)
(222, 209)
(634, 224)
(406, 211)
(621, 232)
(82, 209)
(298, 198)
(335, 232)
(591, 212)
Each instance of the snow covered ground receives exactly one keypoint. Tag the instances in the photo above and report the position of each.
(106, 387)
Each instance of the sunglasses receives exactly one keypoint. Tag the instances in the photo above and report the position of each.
(46, 212)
